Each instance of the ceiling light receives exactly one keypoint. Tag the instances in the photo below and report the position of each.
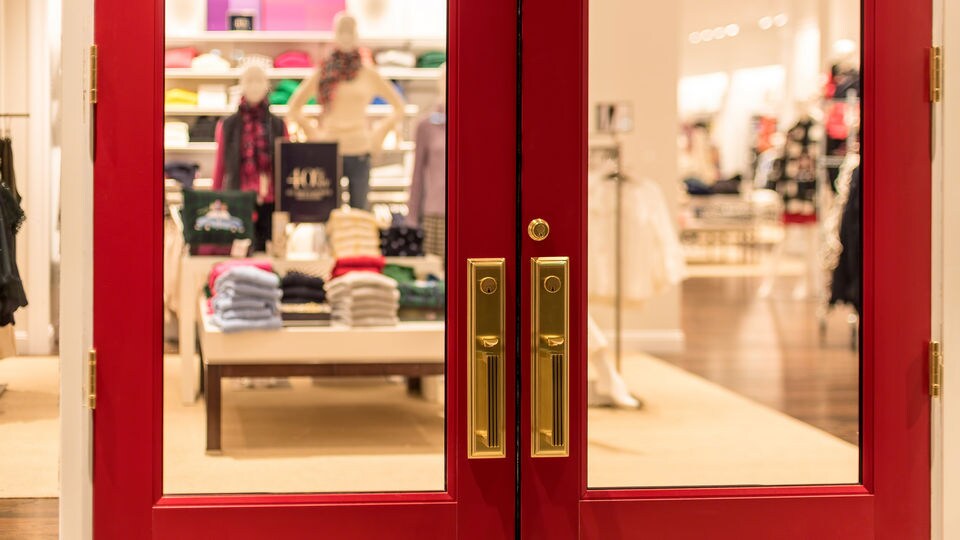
(695, 38)
(765, 23)
(732, 29)
(780, 20)
(706, 35)
(844, 47)
(719, 33)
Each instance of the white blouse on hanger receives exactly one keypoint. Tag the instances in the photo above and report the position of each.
(652, 258)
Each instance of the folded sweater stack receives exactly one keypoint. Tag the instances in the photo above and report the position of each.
(363, 299)
(246, 298)
(301, 288)
(353, 233)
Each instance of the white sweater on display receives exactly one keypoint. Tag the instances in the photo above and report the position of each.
(652, 258)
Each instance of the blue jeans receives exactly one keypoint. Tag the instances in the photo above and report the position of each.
(357, 170)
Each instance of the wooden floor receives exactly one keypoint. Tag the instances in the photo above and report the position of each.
(770, 350)
(28, 519)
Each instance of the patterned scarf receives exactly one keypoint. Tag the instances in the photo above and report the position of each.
(254, 147)
(339, 66)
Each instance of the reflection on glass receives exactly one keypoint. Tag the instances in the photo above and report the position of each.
(305, 249)
(724, 243)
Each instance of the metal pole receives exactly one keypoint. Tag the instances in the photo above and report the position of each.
(618, 249)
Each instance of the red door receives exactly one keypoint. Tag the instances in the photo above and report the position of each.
(892, 497)
(129, 499)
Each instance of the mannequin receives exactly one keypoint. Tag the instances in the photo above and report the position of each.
(344, 87)
(245, 150)
(428, 187)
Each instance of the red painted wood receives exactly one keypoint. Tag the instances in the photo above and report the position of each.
(894, 500)
(128, 232)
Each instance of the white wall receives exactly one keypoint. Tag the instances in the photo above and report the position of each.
(25, 87)
(635, 57)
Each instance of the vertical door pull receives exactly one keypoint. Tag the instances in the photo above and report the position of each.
(550, 357)
(485, 368)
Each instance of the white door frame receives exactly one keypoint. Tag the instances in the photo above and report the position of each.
(946, 293)
(76, 283)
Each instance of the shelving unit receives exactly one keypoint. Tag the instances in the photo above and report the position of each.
(279, 110)
(390, 177)
(387, 72)
(303, 38)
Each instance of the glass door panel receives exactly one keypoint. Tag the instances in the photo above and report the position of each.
(724, 263)
(311, 152)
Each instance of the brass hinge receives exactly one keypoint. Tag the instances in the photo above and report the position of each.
(936, 74)
(936, 369)
(93, 75)
(92, 379)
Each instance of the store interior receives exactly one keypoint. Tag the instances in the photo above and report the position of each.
(304, 249)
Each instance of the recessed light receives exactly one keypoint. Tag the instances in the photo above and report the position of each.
(780, 20)
(719, 33)
(765, 23)
(706, 35)
(732, 29)
(695, 37)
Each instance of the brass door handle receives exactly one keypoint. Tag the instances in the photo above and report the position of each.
(485, 360)
(550, 357)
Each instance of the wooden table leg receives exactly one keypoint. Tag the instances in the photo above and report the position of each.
(214, 408)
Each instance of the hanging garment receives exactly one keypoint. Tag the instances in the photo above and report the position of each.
(428, 186)
(832, 245)
(651, 255)
(12, 294)
(794, 176)
(846, 286)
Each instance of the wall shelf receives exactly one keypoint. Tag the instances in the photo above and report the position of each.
(211, 148)
(279, 110)
(303, 38)
(387, 72)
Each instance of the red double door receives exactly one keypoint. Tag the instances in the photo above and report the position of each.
(518, 495)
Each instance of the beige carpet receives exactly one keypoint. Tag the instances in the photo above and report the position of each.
(361, 434)
(367, 435)
(29, 428)
(692, 432)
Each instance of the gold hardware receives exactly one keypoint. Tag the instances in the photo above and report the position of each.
(936, 369)
(550, 357)
(92, 379)
(94, 81)
(488, 285)
(936, 74)
(538, 230)
(486, 394)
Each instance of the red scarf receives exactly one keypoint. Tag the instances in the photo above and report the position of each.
(339, 66)
(254, 149)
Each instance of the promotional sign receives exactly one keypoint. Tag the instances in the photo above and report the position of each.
(308, 186)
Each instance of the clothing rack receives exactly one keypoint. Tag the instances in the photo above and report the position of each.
(612, 150)
(7, 117)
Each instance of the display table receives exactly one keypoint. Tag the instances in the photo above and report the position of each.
(194, 271)
(411, 349)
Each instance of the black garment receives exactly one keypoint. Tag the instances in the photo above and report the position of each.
(231, 137)
(846, 286)
(12, 294)
(302, 295)
(402, 241)
(299, 279)
(204, 129)
(794, 175)
(182, 172)
(263, 226)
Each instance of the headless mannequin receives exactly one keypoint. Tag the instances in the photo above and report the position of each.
(427, 204)
(344, 117)
(227, 173)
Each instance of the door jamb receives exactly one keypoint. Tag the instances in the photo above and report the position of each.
(76, 286)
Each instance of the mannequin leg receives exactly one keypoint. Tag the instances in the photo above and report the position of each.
(609, 383)
(357, 170)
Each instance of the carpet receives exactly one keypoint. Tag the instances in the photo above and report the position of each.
(29, 428)
(692, 432)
